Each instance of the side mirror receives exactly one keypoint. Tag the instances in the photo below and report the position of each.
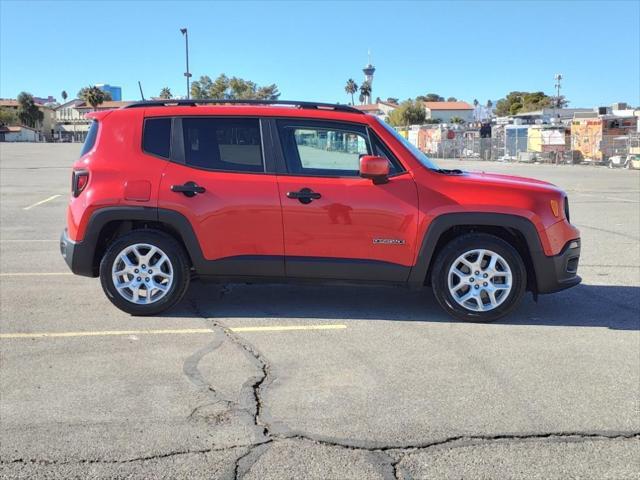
(375, 168)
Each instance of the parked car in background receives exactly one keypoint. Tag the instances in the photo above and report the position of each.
(633, 162)
(618, 161)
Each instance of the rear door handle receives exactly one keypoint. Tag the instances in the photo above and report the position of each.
(189, 189)
(304, 195)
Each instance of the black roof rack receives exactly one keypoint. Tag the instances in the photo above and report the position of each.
(195, 102)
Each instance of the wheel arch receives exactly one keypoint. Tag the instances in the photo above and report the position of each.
(106, 224)
(518, 231)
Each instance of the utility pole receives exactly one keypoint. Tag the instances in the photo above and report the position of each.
(187, 74)
(558, 79)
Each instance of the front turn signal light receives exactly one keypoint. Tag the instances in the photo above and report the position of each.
(555, 208)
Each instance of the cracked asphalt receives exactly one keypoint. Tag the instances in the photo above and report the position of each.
(402, 392)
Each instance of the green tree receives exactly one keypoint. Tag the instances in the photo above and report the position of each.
(457, 120)
(200, 88)
(430, 97)
(234, 88)
(64, 96)
(93, 96)
(165, 93)
(220, 88)
(409, 112)
(393, 100)
(8, 116)
(28, 112)
(517, 102)
(365, 89)
(452, 99)
(475, 102)
(351, 88)
(489, 104)
(268, 92)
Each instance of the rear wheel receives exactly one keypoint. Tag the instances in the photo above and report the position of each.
(478, 277)
(144, 272)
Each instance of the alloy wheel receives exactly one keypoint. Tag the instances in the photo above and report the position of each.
(480, 280)
(142, 273)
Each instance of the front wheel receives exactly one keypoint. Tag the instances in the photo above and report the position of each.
(144, 272)
(478, 277)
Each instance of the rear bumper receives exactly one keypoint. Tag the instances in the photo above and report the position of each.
(558, 272)
(78, 256)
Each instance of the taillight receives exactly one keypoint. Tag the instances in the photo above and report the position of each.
(79, 180)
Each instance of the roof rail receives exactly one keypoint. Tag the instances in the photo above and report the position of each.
(195, 102)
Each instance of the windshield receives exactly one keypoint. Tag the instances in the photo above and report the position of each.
(421, 157)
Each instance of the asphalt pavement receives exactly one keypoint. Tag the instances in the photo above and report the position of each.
(271, 382)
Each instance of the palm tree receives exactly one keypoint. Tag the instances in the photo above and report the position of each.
(351, 87)
(165, 93)
(365, 90)
(489, 104)
(64, 95)
(475, 102)
(92, 95)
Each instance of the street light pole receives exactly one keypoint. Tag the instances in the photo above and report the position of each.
(187, 74)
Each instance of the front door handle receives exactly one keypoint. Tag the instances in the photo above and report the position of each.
(189, 189)
(305, 195)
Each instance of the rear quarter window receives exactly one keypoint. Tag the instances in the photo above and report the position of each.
(156, 137)
(90, 140)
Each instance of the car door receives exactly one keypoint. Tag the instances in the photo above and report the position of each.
(337, 224)
(220, 182)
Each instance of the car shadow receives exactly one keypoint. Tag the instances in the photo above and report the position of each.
(615, 307)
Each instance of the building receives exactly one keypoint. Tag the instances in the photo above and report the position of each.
(71, 125)
(44, 128)
(115, 92)
(552, 115)
(379, 109)
(18, 133)
(599, 137)
(548, 139)
(445, 111)
(44, 101)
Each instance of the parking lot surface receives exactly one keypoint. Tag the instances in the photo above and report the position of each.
(262, 381)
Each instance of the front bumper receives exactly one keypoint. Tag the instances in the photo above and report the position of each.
(77, 255)
(559, 271)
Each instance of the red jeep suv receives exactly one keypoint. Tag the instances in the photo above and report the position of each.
(252, 191)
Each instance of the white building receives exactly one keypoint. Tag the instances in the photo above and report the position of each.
(380, 109)
(18, 133)
(445, 111)
(70, 122)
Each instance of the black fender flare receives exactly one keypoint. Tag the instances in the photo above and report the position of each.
(444, 222)
(83, 262)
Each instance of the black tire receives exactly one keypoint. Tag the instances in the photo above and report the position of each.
(179, 262)
(464, 243)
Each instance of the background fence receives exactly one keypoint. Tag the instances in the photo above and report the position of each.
(520, 147)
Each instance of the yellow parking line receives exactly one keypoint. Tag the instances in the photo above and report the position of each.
(107, 333)
(52, 197)
(34, 274)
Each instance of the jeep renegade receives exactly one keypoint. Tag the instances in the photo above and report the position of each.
(296, 192)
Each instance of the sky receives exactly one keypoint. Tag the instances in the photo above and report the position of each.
(464, 49)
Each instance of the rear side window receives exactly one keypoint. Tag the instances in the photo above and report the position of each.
(90, 141)
(156, 138)
(225, 144)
